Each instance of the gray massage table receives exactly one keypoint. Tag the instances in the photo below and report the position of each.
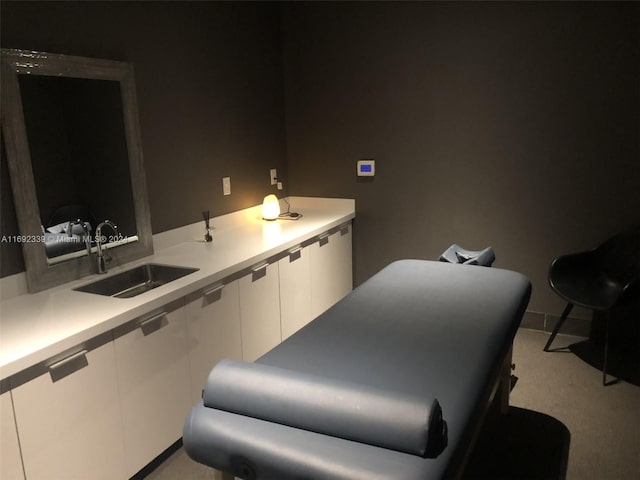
(416, 335)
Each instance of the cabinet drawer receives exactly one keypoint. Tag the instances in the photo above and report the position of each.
(295, 291)
(69, 422)
(331, 269)
(10, 460)
(259, 311)
(154, 384)
(214, 331)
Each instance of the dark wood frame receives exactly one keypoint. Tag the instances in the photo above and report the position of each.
(41, 275)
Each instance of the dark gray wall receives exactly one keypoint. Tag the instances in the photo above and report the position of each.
(209, 80)
(514, 125)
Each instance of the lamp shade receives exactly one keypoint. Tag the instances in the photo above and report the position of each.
(270, 207)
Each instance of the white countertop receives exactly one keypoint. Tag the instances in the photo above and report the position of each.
(35, 327)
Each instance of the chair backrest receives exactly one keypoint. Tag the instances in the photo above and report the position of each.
(72, 212)
(619, 256)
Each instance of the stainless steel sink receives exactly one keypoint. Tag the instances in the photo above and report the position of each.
(136, 281)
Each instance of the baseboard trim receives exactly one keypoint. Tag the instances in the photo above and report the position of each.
(545, 322)
(156, 462)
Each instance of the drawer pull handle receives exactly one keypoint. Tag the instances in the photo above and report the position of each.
(69, 365)
(295, 254)
(323, 240)
(258, 272)
(214, 293)
(344, 230)
(153, 324)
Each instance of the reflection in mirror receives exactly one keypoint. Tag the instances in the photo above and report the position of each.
(77, 142)
(70, 125)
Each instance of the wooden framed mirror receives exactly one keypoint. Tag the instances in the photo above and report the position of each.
(72, 140)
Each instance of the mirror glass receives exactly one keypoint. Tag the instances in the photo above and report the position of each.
(77, 142)
(75, 160)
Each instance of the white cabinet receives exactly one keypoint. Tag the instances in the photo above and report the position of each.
(106, 409)
(259, 311)
(214, 331)
(331, 269)
(69, 421)
(154, 382)
(10, 461)
(295, 291)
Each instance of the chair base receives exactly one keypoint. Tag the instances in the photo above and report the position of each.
(556, 329)
(558, 326)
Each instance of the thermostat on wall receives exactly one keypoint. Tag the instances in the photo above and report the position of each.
(366, 168)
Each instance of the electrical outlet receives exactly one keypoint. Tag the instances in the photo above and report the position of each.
(273, 175)
(226, 185)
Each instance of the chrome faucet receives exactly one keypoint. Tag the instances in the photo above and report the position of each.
(86, 228)
(103, 258)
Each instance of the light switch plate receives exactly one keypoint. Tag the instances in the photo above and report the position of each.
(226, 185)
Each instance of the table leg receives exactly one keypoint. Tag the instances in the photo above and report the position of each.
(504, 389)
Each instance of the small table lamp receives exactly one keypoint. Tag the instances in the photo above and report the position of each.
(270, 207)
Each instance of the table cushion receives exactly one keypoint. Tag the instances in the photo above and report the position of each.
(418, 328)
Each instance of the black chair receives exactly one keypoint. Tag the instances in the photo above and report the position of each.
(72, 212)
(598, 279)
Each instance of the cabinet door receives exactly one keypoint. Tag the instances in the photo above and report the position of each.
(259, 311)
(10, 461)
(214, 332)
(331, 269)
(71, 428)
(295, 291)
(155, 386)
